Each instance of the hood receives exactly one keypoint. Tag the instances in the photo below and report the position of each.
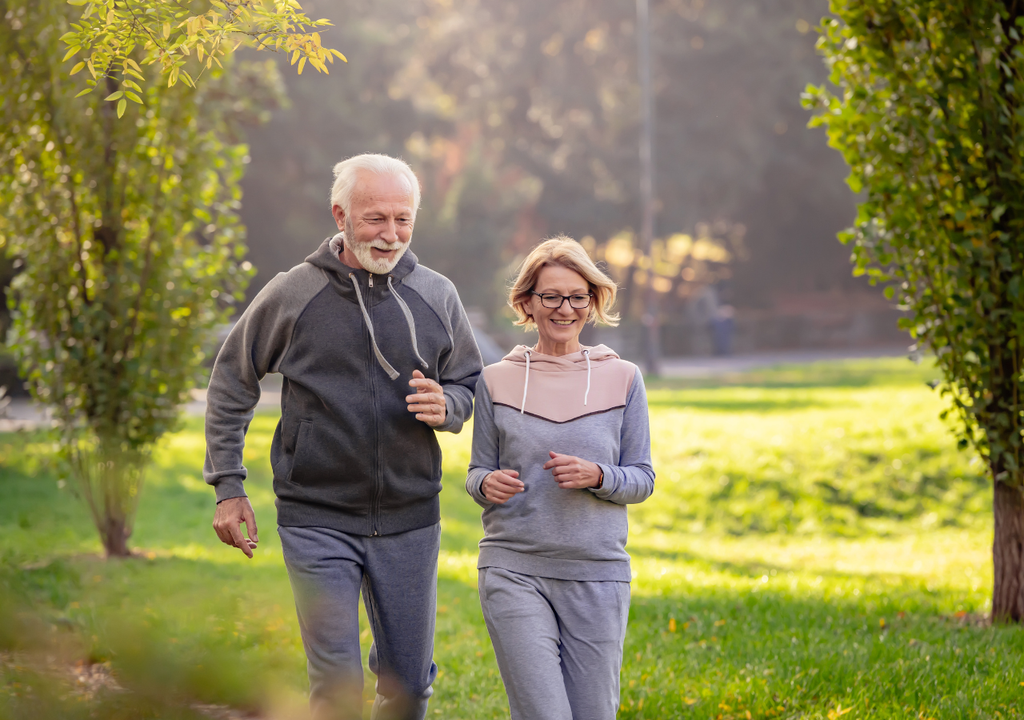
(560, 363)
(326, 258)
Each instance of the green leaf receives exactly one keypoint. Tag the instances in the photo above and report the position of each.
(84, 92)
(133, 97)
(114, 96)
(121, 105)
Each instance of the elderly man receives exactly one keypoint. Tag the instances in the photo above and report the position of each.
(357, 468)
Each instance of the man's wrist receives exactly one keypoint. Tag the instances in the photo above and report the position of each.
(600, 478)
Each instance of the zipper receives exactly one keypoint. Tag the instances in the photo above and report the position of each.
(378, 480)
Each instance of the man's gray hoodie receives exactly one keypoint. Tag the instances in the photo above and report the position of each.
(347, 453)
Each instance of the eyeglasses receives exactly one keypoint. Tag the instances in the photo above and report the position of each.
(553, 302)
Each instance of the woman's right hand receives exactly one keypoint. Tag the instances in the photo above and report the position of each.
(500, 485)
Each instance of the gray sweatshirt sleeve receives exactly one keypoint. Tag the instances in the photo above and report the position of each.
(632, 480)
(255, 346)
(484, 458)
(458, 372)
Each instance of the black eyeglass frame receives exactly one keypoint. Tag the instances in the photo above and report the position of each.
(589, 296)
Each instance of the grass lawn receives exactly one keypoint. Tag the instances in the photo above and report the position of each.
(816, 547)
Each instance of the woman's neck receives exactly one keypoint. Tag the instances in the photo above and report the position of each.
(557, 349)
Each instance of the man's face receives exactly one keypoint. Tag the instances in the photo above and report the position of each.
(378, 225)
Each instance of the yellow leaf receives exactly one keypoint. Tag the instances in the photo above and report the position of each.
(200, 52)
(295, 57)
(133, 64)
(167, 30)
(692, 701)
(316, 39)
(71, 52)
(121, 105)
(77, 68)
(719, 623)
(343, 58)
(302, 62)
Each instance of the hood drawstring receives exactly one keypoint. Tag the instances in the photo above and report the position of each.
(409, 321)
(381, 360)
(586, 354)
(526, 383)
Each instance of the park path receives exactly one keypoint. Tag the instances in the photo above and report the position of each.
(25, 414)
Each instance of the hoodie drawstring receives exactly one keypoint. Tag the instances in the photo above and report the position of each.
(586, 354)
(408, 321)
(381, 360)
(526, 383)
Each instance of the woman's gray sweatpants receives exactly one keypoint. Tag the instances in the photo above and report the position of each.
(558, 643)
(398, 578)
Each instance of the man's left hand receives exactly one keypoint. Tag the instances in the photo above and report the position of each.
(428, 403)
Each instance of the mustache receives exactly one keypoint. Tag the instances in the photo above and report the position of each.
(384, 245)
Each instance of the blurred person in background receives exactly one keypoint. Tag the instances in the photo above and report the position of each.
(561, 445)
(357, 467)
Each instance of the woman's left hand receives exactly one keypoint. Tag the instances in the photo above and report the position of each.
(573, 473)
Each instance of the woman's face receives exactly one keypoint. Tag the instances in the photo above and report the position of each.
(558, 326)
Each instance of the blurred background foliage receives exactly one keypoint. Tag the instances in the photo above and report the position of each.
(522, 121)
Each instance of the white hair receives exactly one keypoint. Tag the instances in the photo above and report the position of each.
(347, 171)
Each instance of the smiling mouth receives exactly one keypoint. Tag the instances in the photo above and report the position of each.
(564, 323)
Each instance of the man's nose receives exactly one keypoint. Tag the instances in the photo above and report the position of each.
(390, 232)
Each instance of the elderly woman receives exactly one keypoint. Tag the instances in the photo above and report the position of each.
(560, 446)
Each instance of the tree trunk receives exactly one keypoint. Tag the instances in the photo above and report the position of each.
(1008, 554)
(115, 534)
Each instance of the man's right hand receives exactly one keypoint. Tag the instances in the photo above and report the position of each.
(500, 485)
(228, 519)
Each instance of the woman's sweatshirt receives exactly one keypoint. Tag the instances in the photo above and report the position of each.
(590, 404)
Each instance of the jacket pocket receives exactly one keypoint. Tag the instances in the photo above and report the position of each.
(301, 442)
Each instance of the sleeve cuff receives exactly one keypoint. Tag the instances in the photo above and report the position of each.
(230, 487)
(608, 488)
(450, 420)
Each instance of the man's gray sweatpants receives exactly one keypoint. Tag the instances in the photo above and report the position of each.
(398, 578)
(558, 643)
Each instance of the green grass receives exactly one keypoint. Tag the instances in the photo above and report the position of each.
(815, 544)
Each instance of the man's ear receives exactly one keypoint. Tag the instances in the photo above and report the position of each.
(339, 216)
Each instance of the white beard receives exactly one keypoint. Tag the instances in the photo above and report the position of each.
(363, 253)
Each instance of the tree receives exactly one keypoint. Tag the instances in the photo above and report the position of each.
(928, 110)
(110, 33)
(127, 230)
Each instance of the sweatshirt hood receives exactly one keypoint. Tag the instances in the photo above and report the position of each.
(560, 363)
(327, 257)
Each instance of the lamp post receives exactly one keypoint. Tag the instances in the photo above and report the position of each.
(650, 302)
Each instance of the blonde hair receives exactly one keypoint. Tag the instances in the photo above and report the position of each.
(347, 171)
(564, 252)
